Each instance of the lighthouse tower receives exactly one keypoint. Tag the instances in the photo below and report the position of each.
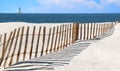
(19, 10)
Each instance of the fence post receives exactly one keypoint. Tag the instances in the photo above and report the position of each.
(26, 43)
(3, 49)
(20, 44)
(0, 38)
(84, 31)
(14, 47)
(62, 37)
(94, 30)
(9, 39)
(43, 42)
(97, 30)
(4, 46)
(80, 31)
(75, 31)
(70, 34)
(87, 31)
(101, 29)
(38, 39)
(59, 38)
(48, 41)
(51, 47)
(67, 35)
(32, 41)
(56, 39)
(91, 30)
(104, 29)
(10, 47)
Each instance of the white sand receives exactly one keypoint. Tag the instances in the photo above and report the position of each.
(8, 27)
(99, 56)
(103, 55)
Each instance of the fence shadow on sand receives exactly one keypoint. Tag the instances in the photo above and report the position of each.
(43, 45)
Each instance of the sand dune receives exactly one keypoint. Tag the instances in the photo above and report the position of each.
(99, 56)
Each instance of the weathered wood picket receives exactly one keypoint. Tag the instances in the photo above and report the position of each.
(22, 44)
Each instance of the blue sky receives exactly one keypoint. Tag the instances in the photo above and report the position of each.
(60, 6)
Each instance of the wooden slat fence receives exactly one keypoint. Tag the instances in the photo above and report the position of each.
(30, 42)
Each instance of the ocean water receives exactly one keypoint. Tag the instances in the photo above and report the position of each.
(59, 18)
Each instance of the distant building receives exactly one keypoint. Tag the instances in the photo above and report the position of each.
(19, 11)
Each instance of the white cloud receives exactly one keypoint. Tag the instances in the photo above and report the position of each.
(70, 3)
(115, 2)
(75, 6)
(79, 3)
